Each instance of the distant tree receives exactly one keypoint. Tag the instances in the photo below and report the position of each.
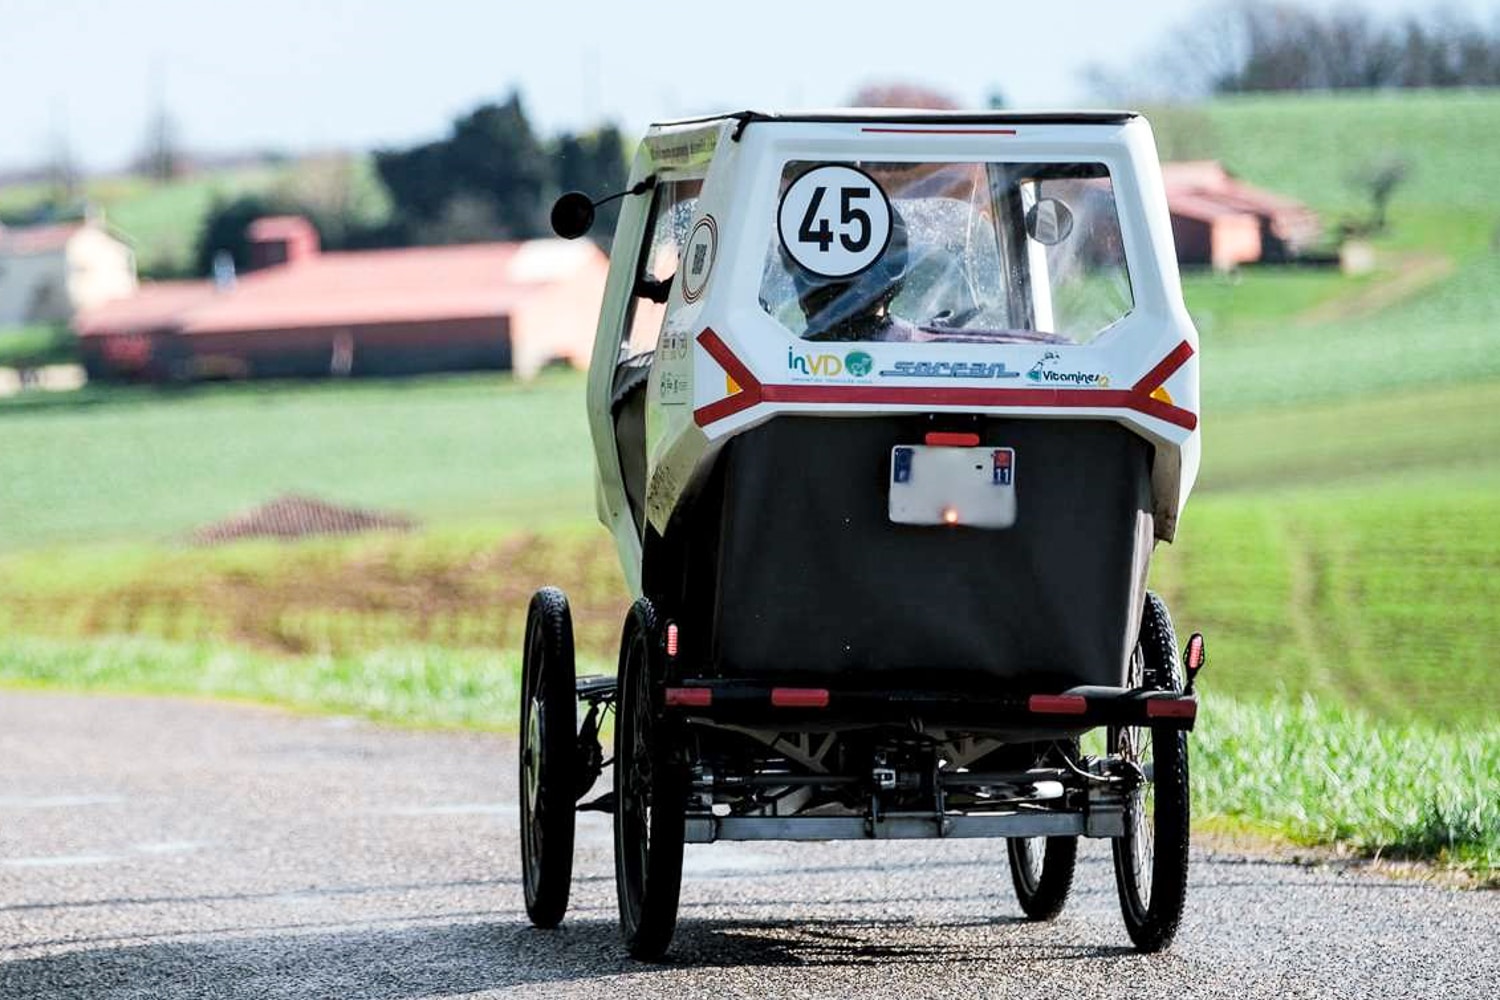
(224, 230)
(349, 208)
(491, 157)
(417, 179)
(494, 155)
(1240, 46)
(594, 163)
(893, 94)
(465, 218)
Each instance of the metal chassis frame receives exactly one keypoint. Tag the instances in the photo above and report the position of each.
(1102, 815)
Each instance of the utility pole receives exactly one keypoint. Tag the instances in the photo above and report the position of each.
(161, 161)
(62, 168)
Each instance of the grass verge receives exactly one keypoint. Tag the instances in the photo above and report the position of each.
(1324, 775)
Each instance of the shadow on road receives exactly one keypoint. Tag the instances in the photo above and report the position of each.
(458, 958)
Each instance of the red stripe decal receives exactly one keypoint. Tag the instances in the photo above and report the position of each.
(750, 388)
(943, 131)
(752, 391)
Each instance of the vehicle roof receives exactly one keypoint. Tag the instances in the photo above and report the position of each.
(909, 116)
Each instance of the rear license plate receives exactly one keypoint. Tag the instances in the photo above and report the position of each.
(953, 486)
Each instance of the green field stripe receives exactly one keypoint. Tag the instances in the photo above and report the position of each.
(1365, 439)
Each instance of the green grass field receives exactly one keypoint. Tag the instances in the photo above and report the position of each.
(40, 344)
(1343, 544)
(160, 463)
(163, 220)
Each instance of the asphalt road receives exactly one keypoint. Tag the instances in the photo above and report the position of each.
(162, 848)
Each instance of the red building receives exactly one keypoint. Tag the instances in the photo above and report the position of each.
(301, 312)
(1223, 222)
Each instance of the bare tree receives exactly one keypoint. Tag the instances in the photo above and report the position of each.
(62, 166)
(1379, 179)
(1241, 46)
(161, 158)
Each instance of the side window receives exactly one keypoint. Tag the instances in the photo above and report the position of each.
(675, 203)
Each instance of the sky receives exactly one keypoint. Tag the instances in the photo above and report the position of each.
(313, 75)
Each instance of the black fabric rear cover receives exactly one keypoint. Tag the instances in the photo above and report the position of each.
(814, 584)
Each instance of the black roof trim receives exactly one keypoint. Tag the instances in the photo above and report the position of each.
(896, 116)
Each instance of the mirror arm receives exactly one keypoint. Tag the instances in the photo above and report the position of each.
(655, 290)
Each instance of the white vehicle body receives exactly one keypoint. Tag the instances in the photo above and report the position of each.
(722, 363)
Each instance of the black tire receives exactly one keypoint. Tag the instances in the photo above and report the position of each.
(650, 795)
(549, 737)
(1151, 859)
(1041, 869)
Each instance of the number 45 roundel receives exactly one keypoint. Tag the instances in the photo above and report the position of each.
(834, 221)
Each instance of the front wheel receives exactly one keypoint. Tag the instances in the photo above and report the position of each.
(650, 795)
(549, 727)
(1151, 859)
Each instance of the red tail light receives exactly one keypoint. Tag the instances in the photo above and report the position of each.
(952, 439)
(690, 697)
(799, 697)
(672, 639)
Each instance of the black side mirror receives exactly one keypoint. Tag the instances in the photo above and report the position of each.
(572, 215)
(1049, 222)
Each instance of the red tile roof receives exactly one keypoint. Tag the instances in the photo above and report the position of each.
(1203, 189)
(360, 287)
(156, 305)
(26, 240)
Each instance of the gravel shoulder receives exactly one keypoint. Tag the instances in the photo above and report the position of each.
(160, 847)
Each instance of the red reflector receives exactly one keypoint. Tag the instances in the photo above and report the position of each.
(952, 439)
(690, 697)
(1195, 653)
(672, 639)
(1175, 708)
(799, 697)
(1058, 704)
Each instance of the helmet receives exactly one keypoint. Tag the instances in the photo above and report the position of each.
(837, 308)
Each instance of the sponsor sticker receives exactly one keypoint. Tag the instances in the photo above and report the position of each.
(825, 365)
(1047, 371)
(698, 257)
(949, 369)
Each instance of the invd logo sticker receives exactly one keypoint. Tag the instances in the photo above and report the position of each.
(823, 365)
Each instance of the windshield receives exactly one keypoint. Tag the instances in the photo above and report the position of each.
(960, 252)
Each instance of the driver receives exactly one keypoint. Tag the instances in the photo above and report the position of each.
(856, 307)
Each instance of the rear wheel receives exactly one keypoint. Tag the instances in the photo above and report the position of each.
(1041, 868)
(549, 732)
(650, 796)
(1151, 859)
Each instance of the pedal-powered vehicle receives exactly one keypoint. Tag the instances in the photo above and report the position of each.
(889, 412)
